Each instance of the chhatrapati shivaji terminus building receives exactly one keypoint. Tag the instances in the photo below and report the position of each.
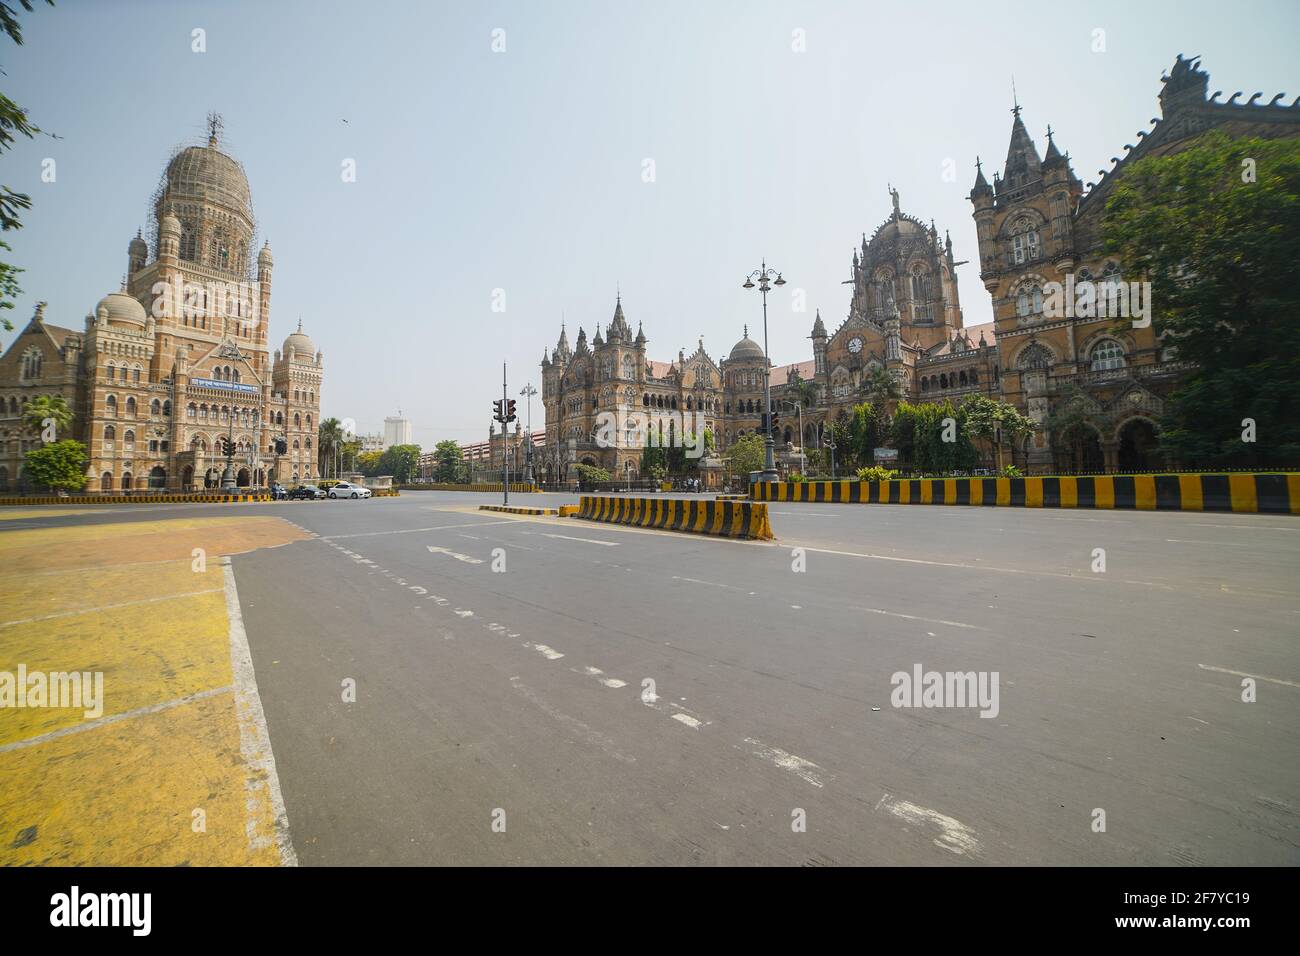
(178, 359)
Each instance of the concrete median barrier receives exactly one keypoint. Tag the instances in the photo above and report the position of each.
(128, 499)
(512, 510)
(728, 519)
(1247, 492)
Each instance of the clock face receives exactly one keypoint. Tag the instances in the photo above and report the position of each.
(855, 345)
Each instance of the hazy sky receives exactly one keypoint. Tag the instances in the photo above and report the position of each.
(523, 170)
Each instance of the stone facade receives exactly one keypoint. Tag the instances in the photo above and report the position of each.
(178, 358)
(1036, 224)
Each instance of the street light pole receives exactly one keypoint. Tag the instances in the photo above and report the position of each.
(528, 392)
(764, 276)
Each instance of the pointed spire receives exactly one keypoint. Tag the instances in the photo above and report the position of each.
(746, 330)
(1022, 155)
(819, 327)
(640, 335)
(981, 184)
(1053, 155)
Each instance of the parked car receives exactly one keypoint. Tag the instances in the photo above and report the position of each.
(279, 492)
(310, 492)
(345, 489)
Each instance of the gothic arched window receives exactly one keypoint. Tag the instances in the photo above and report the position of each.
(1034, 357)
(1106, 354)
(1024, 241)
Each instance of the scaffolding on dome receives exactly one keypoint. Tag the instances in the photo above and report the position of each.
(198, 172)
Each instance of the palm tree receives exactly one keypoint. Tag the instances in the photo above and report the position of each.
(881, 387)
(45, 408)
(329, 438)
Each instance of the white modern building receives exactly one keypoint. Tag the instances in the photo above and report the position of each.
(397, 431)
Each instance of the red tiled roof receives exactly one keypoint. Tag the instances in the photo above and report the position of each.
(781, 373)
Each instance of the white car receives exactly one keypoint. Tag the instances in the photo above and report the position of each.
(345, 489)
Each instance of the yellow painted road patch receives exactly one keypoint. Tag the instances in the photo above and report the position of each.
(172, 771)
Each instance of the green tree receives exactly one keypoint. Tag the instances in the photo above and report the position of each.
(994, 422)
(1215, 228)
(369, 463)
(866, 434)
(400, 461)
(747, 454)
(881, 387)
(60, 465)
(446, 460)
(44, 408)
(13, 123)
(329, 436)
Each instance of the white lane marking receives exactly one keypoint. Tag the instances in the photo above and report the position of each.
(814, 514)
(688, 720)
(1246, 527)
(113, 719)
(550, 653)
(954, 836)
(913, 617)
(1214, 544)
(712, 584)
(613, 682)
(567, 537)
(254, 739)
(1271, 680)
(441, 527)
(573, 724)
(592, 671)
(462, 612)
(804, 769)
(454, 554)
(109, 607)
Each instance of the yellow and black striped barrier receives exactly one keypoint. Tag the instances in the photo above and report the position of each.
(1248, 492)
(511, 509)
(729, 519)
(130, 499)
(516, 486)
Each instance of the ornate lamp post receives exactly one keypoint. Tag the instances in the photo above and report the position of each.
(764, 276)
(528, 392)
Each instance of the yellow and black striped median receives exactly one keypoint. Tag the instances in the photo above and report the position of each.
(728, 519)
(129, 499)
(511, 509)
(1246, 492)
(522, 488)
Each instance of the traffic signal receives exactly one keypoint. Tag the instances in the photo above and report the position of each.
(496, 411)
(510, 411)
(776, 417)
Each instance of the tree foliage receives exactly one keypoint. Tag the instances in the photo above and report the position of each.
(747, 454)
(13, 123)
(1215, 228)
(447, 461)
(400, 461)
(46, 407)
(60, 465)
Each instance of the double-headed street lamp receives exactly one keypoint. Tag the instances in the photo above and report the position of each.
(764, 276)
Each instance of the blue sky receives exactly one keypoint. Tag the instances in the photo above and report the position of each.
(523, 170)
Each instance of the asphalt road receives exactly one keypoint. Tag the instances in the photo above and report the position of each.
(502, 715)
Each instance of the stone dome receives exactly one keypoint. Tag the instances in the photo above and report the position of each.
(205, 174)
(299, 342)
(122, 310)
(746, 348)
